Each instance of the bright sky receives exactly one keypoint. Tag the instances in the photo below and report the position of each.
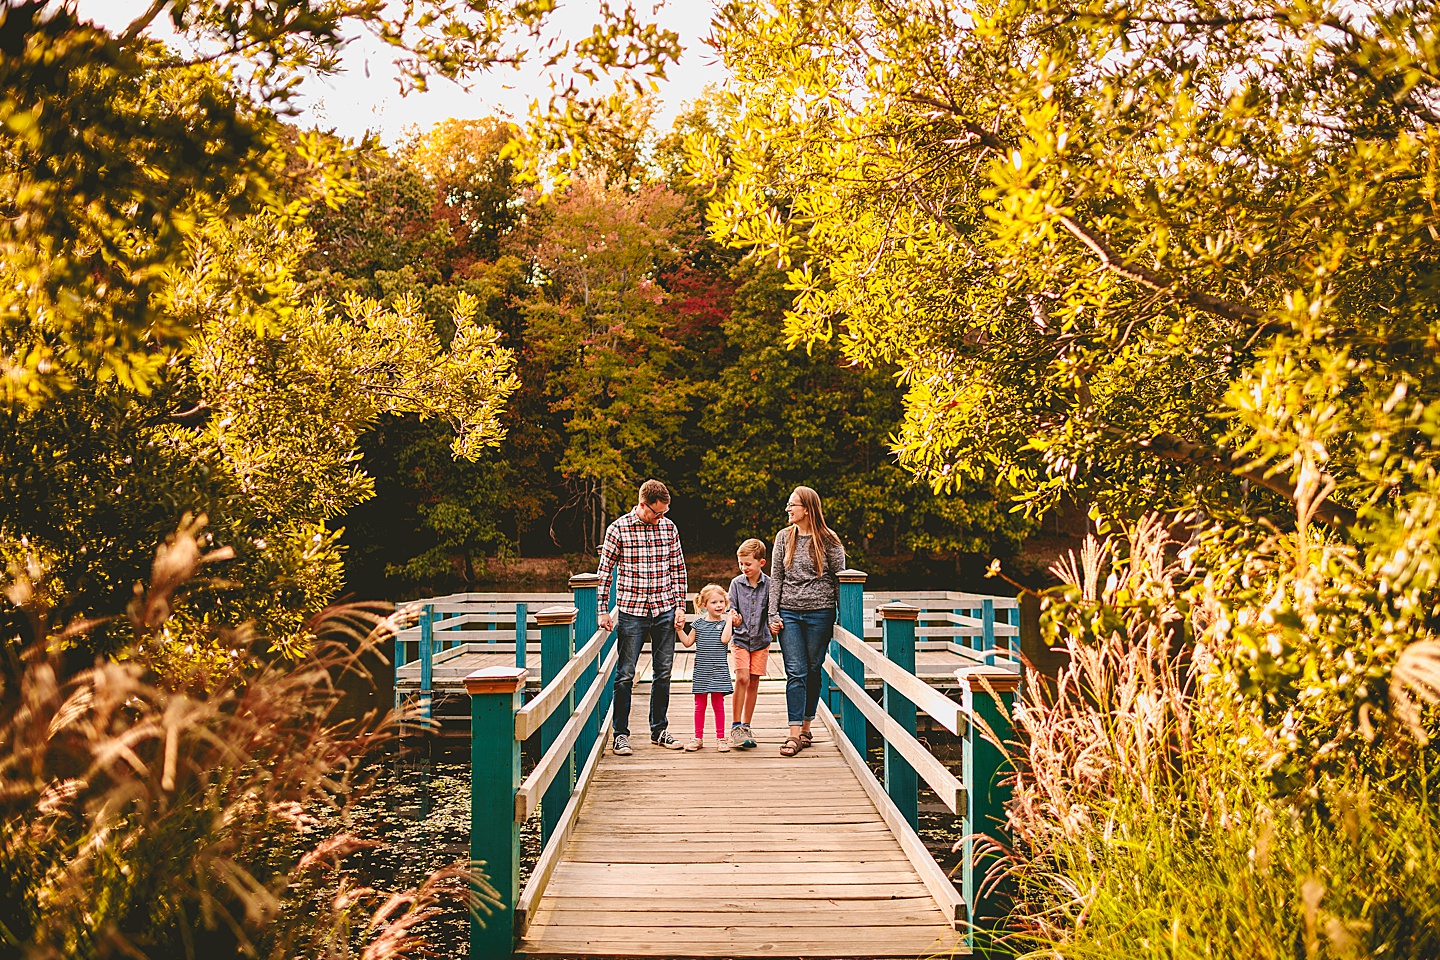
(366, 95)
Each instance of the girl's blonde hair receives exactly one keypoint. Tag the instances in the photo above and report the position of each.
(706, 592)
(822, 536)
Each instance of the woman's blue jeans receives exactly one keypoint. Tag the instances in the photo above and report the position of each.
(804, 638)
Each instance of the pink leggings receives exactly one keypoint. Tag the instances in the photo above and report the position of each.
(717, 704)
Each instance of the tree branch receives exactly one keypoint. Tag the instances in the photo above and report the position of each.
(1156, 281)
(980, 134)
(138, 25)
(1167, 446)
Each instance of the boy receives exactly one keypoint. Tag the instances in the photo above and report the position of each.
(750, 634)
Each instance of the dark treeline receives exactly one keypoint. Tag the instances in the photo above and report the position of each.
(643, 349)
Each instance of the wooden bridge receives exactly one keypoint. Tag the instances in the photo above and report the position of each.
(745, 854)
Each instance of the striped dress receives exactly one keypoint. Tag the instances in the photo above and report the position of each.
(712, 665)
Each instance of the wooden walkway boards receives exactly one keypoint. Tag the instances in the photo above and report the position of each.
(745, 854)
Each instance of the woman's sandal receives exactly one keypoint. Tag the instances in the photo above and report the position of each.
(790, 747)
(806, 739)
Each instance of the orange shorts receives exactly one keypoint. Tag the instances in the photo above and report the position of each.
(753, 660)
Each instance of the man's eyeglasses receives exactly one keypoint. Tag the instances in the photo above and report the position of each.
(657, 510)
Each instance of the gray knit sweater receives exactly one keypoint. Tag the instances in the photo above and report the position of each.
(796, 587)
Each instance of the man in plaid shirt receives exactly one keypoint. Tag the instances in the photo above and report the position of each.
(642, 550)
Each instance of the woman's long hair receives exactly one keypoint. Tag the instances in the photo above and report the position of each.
(821, 535)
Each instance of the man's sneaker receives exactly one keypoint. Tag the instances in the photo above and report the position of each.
(747, 739)
(622, 746)
(667, 741)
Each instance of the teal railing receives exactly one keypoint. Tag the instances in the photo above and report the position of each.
(988, 686)
(571, 715)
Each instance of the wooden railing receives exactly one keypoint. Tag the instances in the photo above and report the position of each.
(446, 628)
(569, 730)
(432, 637)
(571, 714)
(978, 794)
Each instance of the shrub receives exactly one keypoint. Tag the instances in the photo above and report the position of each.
(145, 816)
(1146, 817)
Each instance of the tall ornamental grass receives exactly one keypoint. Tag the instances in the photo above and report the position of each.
(146, 815)
(1147, 818)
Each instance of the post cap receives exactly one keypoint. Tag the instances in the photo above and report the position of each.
(852, 576)
(496, 680)
(976, 679)
(896, 610)
(579, 580)
(554, 616)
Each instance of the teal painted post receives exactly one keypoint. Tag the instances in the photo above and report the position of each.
(987, 630)
(427, 659)
(852, 618)
(494, 780)
(399, 660)
(585, 587)
(901, 781)
(607, 696)
(522, 624)
(987, 771)
(557, 625)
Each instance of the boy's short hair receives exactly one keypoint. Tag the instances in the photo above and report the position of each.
(755, 549)
(653, 491)
(708, 591)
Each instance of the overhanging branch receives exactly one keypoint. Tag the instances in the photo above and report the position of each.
(1157, 282)
(1167, 446)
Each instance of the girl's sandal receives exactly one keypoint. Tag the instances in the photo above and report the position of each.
(790, 747)
(806, 739)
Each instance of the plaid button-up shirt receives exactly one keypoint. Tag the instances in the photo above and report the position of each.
(648, 565)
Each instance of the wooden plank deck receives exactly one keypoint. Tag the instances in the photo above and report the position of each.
(745, 854)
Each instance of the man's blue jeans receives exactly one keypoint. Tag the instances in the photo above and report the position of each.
(631, 632)
(804, 638)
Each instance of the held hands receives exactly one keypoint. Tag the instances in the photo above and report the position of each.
(775, 626)
(679, 619)
(735, 618)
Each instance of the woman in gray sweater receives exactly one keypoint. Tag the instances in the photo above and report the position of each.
(804, 589)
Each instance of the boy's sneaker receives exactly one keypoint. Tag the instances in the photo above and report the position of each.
(667, 741)
(622, 746)
(748, 739)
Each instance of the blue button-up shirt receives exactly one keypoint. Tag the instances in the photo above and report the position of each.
(754, 606)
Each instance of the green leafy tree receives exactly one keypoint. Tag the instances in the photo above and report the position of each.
(1155, 255)
(1137, 265)
(256, 428)
(594, 333)
(115, 149)
(158, 357)
(776, 418)
(431, 226)
(467, 165)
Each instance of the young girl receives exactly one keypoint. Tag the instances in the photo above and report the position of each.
(711, 678)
